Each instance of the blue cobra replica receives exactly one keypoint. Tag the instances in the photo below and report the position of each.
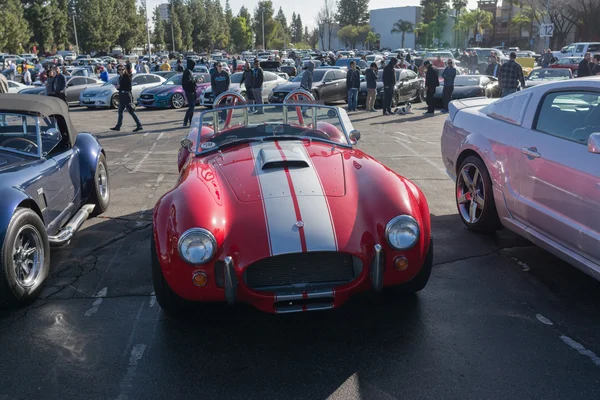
(51, 179)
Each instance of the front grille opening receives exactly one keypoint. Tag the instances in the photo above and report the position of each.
(304, 302)
(323, 269)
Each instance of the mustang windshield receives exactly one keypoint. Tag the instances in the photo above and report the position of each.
(239, 124)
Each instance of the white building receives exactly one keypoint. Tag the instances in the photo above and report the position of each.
(383, 20)
(163, 9)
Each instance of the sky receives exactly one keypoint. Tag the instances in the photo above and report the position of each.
(308, 9)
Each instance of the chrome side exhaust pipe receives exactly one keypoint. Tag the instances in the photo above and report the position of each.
(65, 234)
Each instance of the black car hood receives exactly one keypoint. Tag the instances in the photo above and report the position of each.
(459, 90)
(270, 65)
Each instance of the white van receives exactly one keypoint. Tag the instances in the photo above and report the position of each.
(578, 49)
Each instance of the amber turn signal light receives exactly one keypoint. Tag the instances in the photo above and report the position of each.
(199, 278)
(400, 263)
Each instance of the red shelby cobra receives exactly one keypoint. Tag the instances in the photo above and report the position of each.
(277, 209)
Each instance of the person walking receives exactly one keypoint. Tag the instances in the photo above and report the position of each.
(307, 81)
(219, 83)
(511, 75)
(352, 86)
(371, 77)
(389, 83)
(432, 81)
(258, 78)
(60, 84)
(248, 81)
(547, 58)
(179, 66)
(449, 74)
(584, 68)
(493, 68)
(189, 86)
(125, 99)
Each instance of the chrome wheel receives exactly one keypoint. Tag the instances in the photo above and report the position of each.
(177, 100)
(102, 182)
(470, 193)
(28, 256)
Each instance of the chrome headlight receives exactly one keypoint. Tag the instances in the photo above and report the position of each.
(197, 246)
(402, 232)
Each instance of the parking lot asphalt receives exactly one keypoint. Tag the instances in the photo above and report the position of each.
(500, 318)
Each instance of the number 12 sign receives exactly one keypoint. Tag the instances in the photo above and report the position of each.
(546, 30)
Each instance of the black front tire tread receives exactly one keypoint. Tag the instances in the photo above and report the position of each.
(11, 294)
(95, 198)
(489, 221)
(168, 300)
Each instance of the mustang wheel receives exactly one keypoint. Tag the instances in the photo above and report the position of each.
(100, 195)
(474, 196)
(166, 297)
(24, 258)
(177, 100)
(114, 101)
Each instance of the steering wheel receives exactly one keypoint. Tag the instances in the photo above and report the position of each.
(234, 98)
(299, 95)
(29, 142)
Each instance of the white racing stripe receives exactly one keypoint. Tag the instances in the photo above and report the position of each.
(278, 203)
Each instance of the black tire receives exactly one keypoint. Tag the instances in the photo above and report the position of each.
(168, 300)
(417, 283)
(175, 103)
(15, 290)
(100, 195)
(114, 101)
(316, 95)
(487, 219)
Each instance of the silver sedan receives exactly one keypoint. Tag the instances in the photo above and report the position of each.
(107, 95)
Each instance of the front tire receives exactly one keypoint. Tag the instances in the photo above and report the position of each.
(474, 196)
(177, 100)
(114, 101)
(100, 195)
(168, 300)
(24, 259)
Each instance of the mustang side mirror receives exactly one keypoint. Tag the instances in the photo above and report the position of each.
(354, 136)
(186, 144)
(594, 143)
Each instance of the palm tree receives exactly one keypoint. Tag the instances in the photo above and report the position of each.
(475, 20)
(403, 27)
(458, 5)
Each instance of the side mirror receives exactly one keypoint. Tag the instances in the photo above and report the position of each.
(186, 144)
(594, 143)
(354, 136)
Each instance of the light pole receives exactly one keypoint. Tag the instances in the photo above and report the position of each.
(75, 30)
(263, 29)
(148, 30)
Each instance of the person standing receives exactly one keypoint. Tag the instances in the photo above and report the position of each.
(474, 62)
(165, 66)
(258, 78)
(247, 80)
(352, 86)
(60, 84)
(219, 83)
(103, 74)
(371, 77)
(26, 75)
(493, 67)
(179, 66)
(584, 68)
(511, 74)
(547, 58)
(432, 81)
(234, 64)
(307, 80)
(389, 83)
(50, 83)
(139, 67)
(449, 74)
(189, 86)
(125, 99)
(595, 65)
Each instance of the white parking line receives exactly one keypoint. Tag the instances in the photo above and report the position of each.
(543, 319)
(416, 139)
(127, 383)
(96, 305)
(581, 350)
(139, 164)
(415, 153)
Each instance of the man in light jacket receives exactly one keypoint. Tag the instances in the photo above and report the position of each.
(371, 78)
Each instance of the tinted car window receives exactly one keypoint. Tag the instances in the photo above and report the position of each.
(580, 48)
(90, 80)
(140, 80)
(572, 116)
(152, 79)
(593, 47)
(77, 81)
(338, 74)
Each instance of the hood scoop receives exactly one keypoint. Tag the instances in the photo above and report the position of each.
(272, 158)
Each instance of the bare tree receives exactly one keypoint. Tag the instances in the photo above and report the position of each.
(328, 11)
(321, 24)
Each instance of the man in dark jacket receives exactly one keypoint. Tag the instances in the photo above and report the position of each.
(584, 66)
(189, 86)
(371, 78)
(307, 80)
(352, 86)
(449, 74)
(432, 81)
(60, 84)
(493, 68)
(179, 66)
(248, 80)
(219, 83)
(257, 84)
(389, 83)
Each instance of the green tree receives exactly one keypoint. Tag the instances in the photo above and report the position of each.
(263, 8)
(228, 13)
(244, 13)
(198, 17)
(40, 15)
(371, 39)
(297, 29)
(14, 28)
(61, 23)
(434, 14)
(402, 27)
(280, 17)
(98, 24)
(241, 34)
(312, 39)
(158, 34)
(458, 6)
(277, 36)
(184, 18)
(348, 34)
(475, 21)
(352, 12)
(223, 29)
(131, 27)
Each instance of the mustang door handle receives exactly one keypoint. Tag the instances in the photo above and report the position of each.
(531, 152)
